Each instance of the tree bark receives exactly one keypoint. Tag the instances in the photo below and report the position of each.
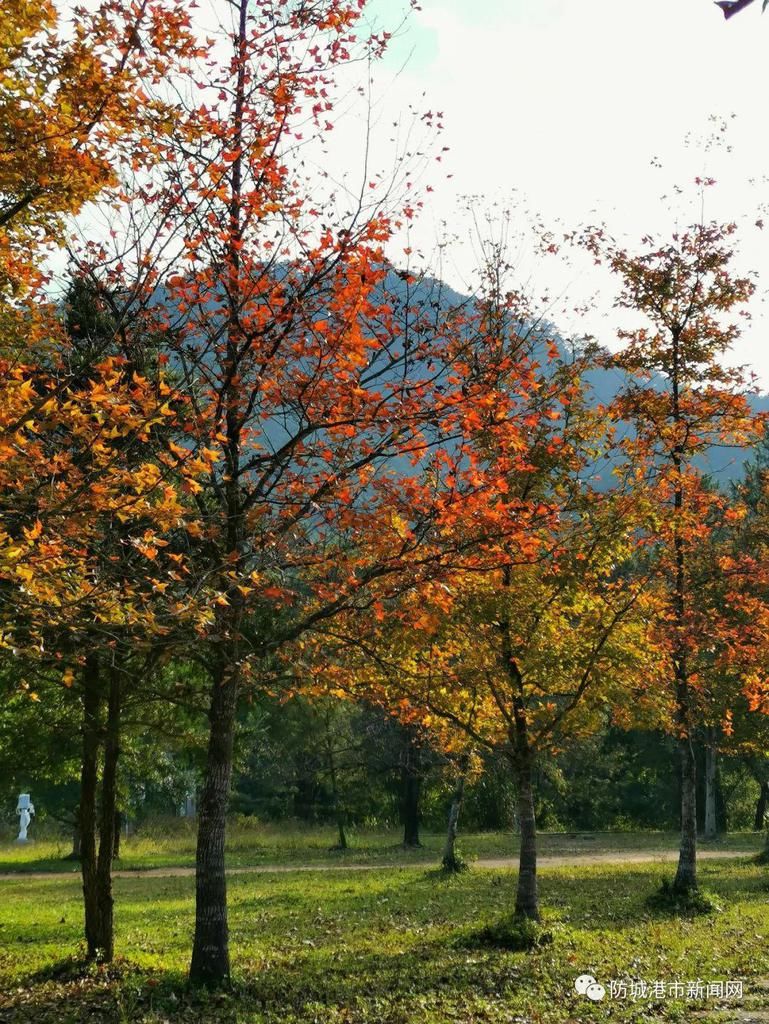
(411, 779)
(210, 965)
(87, 809)
(338, 808)
(686, 875)
(342, 836)
(711, 821)
(761, 807)
(521, 756)
(104, 922)
(450, 861)
(527, 895)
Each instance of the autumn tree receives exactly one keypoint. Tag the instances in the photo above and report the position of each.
(739, 688)
(681, 400)
(517, 664)
(316, 373)
(526, 638)
(93, 540)
(79, 495)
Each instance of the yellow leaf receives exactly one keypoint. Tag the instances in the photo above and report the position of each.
(33, 532)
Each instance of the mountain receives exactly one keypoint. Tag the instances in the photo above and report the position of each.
(430, 297)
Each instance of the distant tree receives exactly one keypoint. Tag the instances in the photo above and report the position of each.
(521, 644)
(681, 399)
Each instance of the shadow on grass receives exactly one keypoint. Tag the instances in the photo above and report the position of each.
(601, 898)
(310, 986)
(42, 865)
(76, 968)
(73, 990)
(617, 900)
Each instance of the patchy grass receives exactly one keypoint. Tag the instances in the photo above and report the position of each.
(669, 900)
(509, 932)
(384, 947)
(171, 843)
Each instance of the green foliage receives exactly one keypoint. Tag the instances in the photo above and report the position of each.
(615, 780)
(454, 866)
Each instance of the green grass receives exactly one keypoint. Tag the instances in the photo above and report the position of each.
(171, 843)
(388, 946)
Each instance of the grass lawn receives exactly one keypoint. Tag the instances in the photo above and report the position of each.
(388, 946)
(172, 844)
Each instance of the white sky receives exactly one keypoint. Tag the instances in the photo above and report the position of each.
(568, 108)
(575, 111)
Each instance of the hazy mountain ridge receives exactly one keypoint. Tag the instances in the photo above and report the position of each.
(430, 296)
(724, 464)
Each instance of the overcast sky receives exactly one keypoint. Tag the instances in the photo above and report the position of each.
(586, 110)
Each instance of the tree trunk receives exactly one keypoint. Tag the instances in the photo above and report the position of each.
(412, 785)
(87, 809)
(450, 861)
(521, 758)
(104, 923)
(761, 807)
(338, 808)
(722, 809)
(527, 896)
(711, 822)
(210, 964)
(342, 841)
(686, 875)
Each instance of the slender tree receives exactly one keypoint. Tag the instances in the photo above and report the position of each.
(316, 375)
(523, 640)
(681, 400)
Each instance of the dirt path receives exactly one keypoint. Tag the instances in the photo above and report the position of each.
(490, 863)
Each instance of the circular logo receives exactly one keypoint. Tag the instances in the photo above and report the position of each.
(583, 983)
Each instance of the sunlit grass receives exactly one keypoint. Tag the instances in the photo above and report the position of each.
(387, 946)
(171, 843)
